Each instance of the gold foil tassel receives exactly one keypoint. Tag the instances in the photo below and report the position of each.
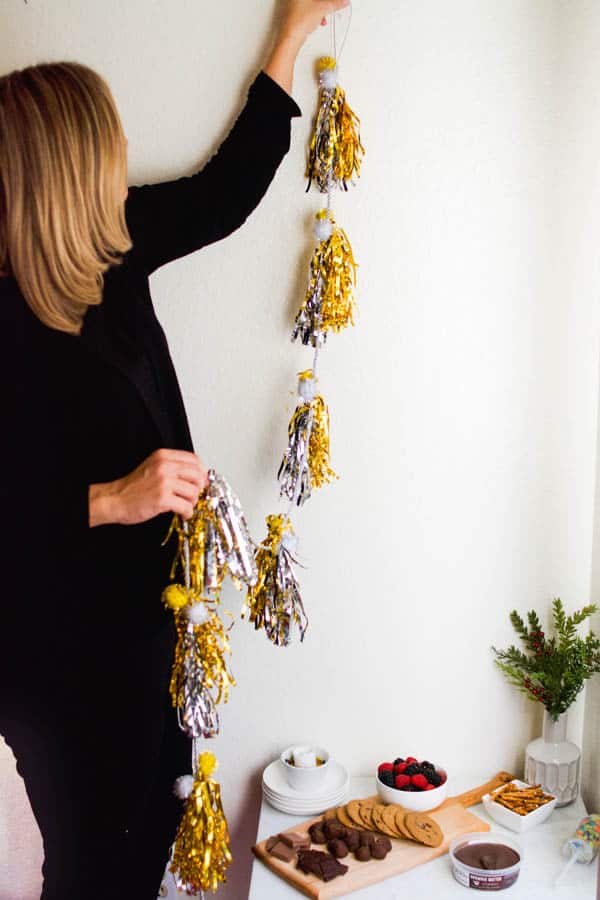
(329, 303)
(335, 151)
(274, 602)
(201, 853)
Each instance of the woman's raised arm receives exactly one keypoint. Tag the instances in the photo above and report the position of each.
(173, 218)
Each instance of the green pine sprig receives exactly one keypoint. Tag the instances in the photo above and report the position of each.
(551, 670)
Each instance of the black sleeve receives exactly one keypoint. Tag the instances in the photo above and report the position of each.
(174, 218)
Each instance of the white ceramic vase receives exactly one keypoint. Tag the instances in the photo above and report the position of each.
(553, 761)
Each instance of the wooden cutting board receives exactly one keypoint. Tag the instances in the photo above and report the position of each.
(452, 817)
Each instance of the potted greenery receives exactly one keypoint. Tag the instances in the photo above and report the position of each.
(552, 671)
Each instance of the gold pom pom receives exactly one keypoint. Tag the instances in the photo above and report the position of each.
(175, 596)
(326, 62)
(201, 851)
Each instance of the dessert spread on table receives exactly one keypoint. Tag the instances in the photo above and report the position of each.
(410, 821)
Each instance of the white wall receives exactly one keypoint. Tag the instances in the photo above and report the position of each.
(464, 403)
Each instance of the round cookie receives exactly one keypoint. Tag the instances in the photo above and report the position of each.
(330, 813)
(389, 817)
(344, 818)
(399, 822)
(379, 822)
(353, 810)
(366, 814)
(424, 829)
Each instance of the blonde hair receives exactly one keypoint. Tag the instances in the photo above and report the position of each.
(63, 175)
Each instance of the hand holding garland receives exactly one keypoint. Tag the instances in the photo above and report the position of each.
(300, 18)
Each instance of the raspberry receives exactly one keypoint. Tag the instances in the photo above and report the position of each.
(401, 780)
(419, 780)
(399, 769)
(411, 759)
(430, 787)
(385, 767)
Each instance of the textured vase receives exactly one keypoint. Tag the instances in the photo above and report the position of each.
(553, 761)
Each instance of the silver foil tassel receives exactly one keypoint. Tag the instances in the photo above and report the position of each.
(294, 474)
(307, 325)
(284, 607)
(231, 544)
(198, 717)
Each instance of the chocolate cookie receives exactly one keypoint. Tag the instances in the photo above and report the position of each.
(379, 850)
(338, 848)
(333, 829)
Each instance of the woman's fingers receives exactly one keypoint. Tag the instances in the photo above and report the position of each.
(185, 489)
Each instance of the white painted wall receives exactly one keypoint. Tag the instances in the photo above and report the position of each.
(463, 405)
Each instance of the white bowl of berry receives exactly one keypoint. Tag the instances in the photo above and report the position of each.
(418, 786)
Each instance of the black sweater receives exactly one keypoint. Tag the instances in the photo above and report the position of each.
(86, 409)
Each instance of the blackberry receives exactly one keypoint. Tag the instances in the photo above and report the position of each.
(434, 779)
(427, 765)
(387, 778)
(413, 769)
(398, 761)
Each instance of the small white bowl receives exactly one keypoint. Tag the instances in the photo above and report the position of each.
(513, 820)
(306, 780)
(418, 801)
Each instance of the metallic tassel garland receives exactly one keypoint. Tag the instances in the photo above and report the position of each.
(329, 303)
(335, 151)
(274, 602)
(200, 854)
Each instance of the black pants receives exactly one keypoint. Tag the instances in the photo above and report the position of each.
(99, 767)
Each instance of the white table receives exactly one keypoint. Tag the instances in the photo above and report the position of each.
(541, 854)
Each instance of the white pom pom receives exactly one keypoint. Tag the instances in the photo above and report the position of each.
(183, 786)
(323, 229)
(290, 542)
(329, 78)
(197, 614)
(307, 389)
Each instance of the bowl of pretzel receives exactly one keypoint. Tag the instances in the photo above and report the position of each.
(518, 805)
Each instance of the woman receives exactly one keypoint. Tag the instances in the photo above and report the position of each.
(98, 456)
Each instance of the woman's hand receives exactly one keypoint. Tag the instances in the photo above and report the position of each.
(167, 481)
(300, 18)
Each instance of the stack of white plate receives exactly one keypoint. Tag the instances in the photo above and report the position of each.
(333, 791)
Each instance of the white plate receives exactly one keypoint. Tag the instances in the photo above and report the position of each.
(304, 813)
(274, 781)
(325, 802)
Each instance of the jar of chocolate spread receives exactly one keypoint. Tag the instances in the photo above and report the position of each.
(485, 860)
